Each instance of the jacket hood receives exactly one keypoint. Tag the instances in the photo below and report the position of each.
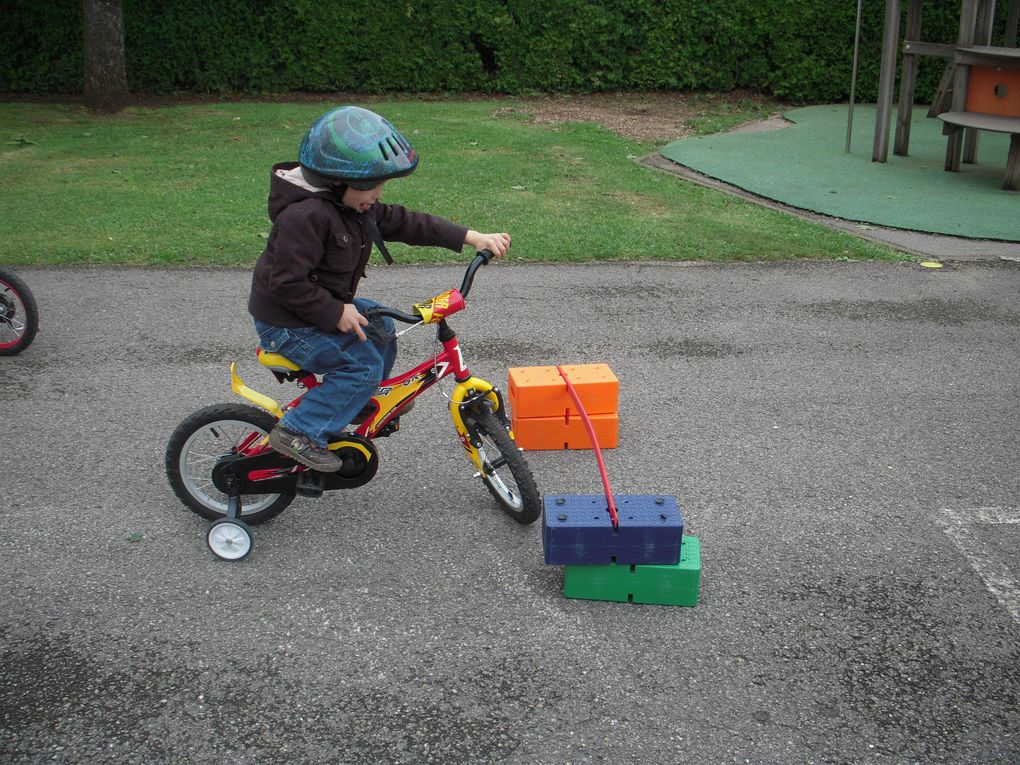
(287, 185)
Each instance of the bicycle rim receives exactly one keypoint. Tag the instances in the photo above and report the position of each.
(507, 493)
(200, 453)
(505, 471)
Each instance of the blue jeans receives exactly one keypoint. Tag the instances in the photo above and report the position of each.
(351, 371)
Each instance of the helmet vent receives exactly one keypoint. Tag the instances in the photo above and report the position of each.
(394, 146)
(382, 150)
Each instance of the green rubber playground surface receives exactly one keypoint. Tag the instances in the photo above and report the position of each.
(806, 166)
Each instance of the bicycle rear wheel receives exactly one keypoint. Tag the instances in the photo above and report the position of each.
(198, 444)
(505, 470)
(19, 315)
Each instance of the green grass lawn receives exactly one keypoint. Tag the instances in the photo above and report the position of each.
(187, 185)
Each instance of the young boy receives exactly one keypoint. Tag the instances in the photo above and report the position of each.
(326, 216)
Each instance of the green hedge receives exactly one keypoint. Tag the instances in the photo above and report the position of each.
(796, 50)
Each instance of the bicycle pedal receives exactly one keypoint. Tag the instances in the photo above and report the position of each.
(309, 484)
(389, 428)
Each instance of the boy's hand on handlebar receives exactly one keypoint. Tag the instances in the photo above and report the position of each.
(498, 244)
(352, 321)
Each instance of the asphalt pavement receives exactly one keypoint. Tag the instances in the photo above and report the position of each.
(843, 438)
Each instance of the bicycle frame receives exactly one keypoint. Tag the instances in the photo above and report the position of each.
(395, 392)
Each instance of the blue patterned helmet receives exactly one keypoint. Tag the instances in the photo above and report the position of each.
(356, 147)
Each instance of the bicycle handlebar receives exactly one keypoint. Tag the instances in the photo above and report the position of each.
(482, 258)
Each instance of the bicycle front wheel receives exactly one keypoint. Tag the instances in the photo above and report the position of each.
(505, 471)
(19, 315)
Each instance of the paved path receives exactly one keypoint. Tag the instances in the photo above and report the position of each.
(842, 437)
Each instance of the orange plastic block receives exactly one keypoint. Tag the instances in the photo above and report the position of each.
(537, 392)
(541, 391)
(993, 91)
(596, 385)
(565, 432)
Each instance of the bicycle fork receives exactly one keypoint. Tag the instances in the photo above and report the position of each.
(467, 396)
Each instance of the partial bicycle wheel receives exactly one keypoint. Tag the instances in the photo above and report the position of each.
(19, 315)
(198, 444)
(506, 473)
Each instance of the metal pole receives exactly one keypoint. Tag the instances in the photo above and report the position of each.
(853, 78)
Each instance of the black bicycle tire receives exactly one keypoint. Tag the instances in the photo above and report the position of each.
(17, 285)
(488, 424)
(201, 419)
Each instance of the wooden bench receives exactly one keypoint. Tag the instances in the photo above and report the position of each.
(955, 121)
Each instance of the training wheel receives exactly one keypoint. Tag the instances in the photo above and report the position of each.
(229, 539)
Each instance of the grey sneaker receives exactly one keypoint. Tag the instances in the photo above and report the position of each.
(301, 449)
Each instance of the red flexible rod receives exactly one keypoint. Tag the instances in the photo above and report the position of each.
(595, 445)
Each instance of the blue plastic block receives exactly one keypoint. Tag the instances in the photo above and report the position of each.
(578, 530)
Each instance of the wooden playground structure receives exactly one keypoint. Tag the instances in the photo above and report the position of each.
(979, 91)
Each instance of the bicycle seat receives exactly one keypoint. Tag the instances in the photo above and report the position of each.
(283, 369)
(276, 362)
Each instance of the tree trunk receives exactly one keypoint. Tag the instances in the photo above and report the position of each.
(105, 78)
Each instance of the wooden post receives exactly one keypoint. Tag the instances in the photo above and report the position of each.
(908, 80)
(984, 19)
(853, 78)
(954, 143)
(886, 80)
(1012, 179)
(1012, 18)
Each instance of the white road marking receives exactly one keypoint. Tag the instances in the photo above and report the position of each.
(959, 525)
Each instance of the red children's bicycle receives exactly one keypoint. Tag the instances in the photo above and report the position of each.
(220, 465)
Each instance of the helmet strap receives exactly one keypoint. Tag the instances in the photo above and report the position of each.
(338, 189)
(376, 236)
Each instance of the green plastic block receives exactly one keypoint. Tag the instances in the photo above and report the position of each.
(665, 585)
